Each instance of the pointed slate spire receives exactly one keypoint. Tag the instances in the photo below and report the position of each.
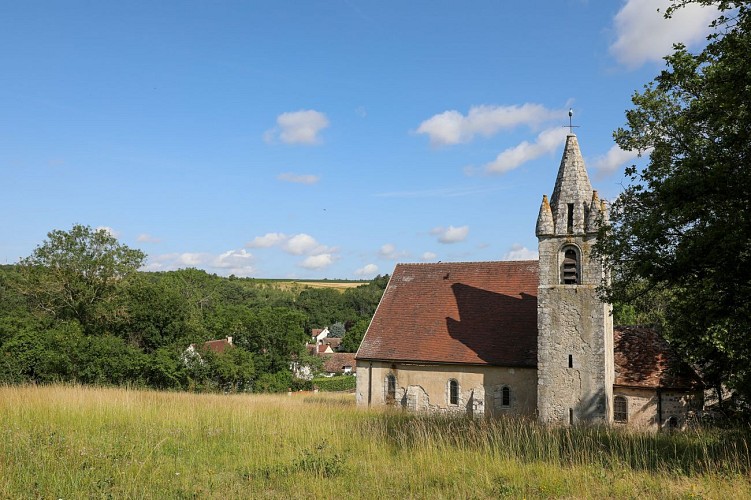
(572, 188)
(594, 214)
(545, 225)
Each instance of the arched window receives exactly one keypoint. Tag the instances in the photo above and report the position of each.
(505, 396)
(390, 388)
(672, 423)
(453, 392)
(620, 409)
(570, 267)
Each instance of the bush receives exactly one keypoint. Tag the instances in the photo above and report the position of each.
(336, 384)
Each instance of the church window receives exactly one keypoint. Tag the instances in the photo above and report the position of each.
(570, 219)
(620, 409)
(570, 360)
(571, 416)
(570, 267)
(505, 396)
(453, 392)
(390, 389)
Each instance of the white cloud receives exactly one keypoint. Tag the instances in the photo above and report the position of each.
(302, 243)
(389, 251)
(237, 262)
(147, 238)
(451, 127)
(318, 256)
(109, 230)
(267, 240)
(299, 179)
(298, 127)
(318, 261)
(450, 234)
(428, 256)
(511, 158)
(367, 270)
(519, 252)
(643, 34)
(614, 158)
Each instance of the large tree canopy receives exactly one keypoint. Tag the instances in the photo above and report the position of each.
(76, 274)
(681, 230)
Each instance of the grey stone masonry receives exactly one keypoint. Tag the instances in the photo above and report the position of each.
(575, 366)
(572, 187)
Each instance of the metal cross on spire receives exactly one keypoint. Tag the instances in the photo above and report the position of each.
(570, 125)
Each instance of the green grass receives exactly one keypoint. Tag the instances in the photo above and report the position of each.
(77, 442)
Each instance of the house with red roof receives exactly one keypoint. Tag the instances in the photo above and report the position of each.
(524, 338)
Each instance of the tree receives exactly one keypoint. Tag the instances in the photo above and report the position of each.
(337, 330)
(78, 274)
(682, 227)
(353, 337)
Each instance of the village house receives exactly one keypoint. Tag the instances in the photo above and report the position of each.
(525, 338)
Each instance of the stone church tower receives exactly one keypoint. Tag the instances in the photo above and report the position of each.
(575, 328)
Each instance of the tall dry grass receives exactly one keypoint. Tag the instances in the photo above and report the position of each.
(75, 442)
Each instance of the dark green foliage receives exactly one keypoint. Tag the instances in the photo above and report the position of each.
(681, 230)
(336, 383)
(353, 337)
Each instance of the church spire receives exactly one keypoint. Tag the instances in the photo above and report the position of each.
(572, 192)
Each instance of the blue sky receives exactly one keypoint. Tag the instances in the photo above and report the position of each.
(320, 139)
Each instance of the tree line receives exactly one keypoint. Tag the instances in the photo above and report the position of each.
(78, 310)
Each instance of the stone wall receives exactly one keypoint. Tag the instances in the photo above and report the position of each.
(645, 406)
(426, 388)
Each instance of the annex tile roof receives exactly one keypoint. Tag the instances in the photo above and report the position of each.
(218, 346)
(335, 363)
(457, 312)
(644, 359)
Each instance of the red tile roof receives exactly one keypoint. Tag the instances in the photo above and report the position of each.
(457, 312)
(335, 363)
(334, 342)
(218, 346)
(644, 359)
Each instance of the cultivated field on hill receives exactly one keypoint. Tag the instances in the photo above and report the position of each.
(76, 442)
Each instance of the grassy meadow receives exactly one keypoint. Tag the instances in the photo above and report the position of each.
(75, 442)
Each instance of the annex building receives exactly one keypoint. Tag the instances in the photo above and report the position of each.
(526, 338)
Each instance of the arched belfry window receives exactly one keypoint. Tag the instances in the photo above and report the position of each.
(570, 267)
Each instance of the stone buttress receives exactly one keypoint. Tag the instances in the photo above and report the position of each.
(575, 329)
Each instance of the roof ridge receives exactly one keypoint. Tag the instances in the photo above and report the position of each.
(468, 262)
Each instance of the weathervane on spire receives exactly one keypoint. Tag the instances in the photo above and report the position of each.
(571, 126)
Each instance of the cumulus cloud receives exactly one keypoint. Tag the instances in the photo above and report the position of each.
(451, 127)
(547, 141)
(614, 158)
(367, 270)
(302, 243)
(318, 255)
(643, 34)
(389, 251)
(109, 230)
(266, 241)
(319, 261)
(147, 238)
(298, 178)
(450, 234)
(519, 252)
(298, 127)
(428, 256)
(237, 262)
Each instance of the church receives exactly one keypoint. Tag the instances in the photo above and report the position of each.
(524, 338)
